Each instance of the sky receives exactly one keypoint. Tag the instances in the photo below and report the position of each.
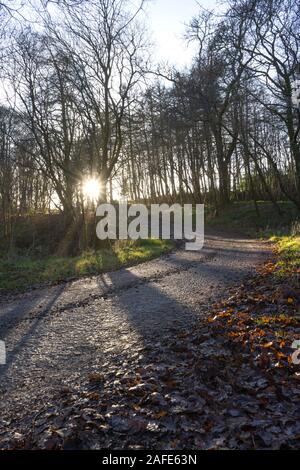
(167, 19)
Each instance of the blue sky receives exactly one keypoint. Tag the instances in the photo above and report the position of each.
(166, 19)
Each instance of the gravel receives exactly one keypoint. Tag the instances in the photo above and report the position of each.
(56, 336)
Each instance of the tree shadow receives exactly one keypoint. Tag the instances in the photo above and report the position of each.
(14, 317)
(151, 305)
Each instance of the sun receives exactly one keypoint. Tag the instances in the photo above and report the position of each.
(91, 189)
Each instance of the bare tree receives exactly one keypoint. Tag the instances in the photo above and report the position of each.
(107, 48)
(273, 29)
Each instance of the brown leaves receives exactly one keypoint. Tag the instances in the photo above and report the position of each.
(96, 378)
(267, 268)
(256, 311)
(161, 414)
(268, 345)
(227, 382)
(93, 396)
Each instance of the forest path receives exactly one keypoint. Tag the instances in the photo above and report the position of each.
(56, 337)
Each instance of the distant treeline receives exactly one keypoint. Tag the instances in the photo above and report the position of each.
(83, 98)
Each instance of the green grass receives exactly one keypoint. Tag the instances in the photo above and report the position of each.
(19, 273)
(289, 254)
(282, 229)
(242, 217)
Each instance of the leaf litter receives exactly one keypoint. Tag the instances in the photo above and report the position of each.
(228, 383)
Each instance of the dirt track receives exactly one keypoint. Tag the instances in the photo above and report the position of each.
(59, 336)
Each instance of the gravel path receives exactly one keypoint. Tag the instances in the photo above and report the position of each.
(57, 336)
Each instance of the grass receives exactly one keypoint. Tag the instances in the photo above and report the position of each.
(288, 248)
(284, 280)
(242, 217)
(19, 273)
(282, 229)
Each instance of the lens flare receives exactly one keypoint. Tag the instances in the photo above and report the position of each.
(91, 189)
